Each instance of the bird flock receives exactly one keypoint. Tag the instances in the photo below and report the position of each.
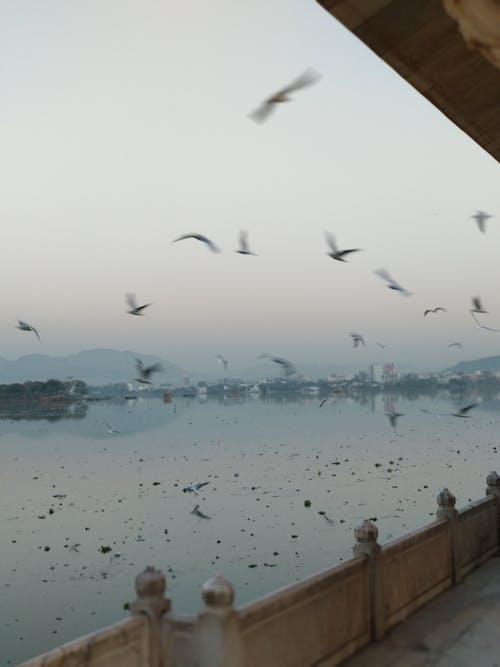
(260, 115)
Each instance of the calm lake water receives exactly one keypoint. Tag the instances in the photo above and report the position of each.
(70, 487)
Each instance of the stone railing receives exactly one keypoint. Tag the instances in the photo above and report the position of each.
(320, 620)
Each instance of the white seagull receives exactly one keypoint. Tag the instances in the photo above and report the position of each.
(283, 95)
(357, 339)
(392, 284)
(146, 371)
(194, 487)
(25, 326)
(287, 366)
(244, 248)
(480, 217)
(335, 253)
(134, 308)
(223, 361)
(199, 237)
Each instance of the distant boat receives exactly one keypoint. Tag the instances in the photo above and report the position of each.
(130, 397)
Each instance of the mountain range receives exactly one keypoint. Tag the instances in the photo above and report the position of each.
(96, 367)
(485, 364)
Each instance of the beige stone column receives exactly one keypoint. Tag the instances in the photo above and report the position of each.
(446, 510)
(366, 535)
(217, 630)
(493, 489)
(150, 588)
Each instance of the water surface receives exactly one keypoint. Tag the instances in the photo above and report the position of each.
(85, 509)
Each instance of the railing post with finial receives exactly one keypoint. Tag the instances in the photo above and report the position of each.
(446, 510)
(150, 586)
(493, 489)
(217, 629)
(366, 535)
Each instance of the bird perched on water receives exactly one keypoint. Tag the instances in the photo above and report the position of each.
(393, 417)
(480, 217)
(357, 339)
(283, 95)
(194, 487)
(456, 344)
(434, 310)
(392, 284)
(223, 361)
(287, 366)
(244, 248)
(145, 372)
(335, 253)
(134, 308)
(25, 326)
(198, 237)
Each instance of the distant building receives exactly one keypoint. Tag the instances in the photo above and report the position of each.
(389, 373)
(376, 373)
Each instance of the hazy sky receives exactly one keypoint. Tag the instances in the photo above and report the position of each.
(124, 123)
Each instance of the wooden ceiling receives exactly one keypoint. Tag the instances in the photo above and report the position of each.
(423, 44)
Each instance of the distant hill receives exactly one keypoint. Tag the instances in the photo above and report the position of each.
(484, 364)
(92, 366)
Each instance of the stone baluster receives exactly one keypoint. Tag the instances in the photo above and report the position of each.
(217, 630)
(446, 510)
(150, 588)
(366, 535)
(493, 489)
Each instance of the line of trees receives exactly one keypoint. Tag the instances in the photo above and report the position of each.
(36, 390)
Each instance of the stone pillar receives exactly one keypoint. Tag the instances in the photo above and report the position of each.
(446, 510)
(493, 489)
(150, 588)
(366, 535)
(217, 630)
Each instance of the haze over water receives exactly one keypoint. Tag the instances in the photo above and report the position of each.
(262, 460)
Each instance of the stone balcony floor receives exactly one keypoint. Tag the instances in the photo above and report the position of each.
(461, 628)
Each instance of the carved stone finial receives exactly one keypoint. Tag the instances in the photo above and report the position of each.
(150, 583)
(446, 499)
(479, 23)
(367, 531)
(218, 592)
(493, 479)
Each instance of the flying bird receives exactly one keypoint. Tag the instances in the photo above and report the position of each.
(145, 372)
(25, 326)
(456, 344)
(463, 412)
(194, 487)
(393, 417)
(477, 306)
(357, 339)
(392, 284)
(335, 253)
(223, 361)
(134, 308)
(382, 345)
(198, 237)
(287, 366)
(480, 217)
(197, 512)
(283, 95)
(244, 248)
(434, 310)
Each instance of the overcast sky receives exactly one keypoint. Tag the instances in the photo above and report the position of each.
(124, 123)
